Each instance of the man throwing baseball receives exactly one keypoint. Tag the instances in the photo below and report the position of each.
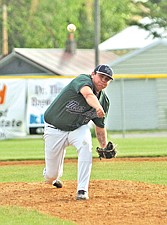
(66, 123)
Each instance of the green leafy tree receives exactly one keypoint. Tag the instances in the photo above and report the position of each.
(86, 27)
(155, 10)
(17, 17)
(42, 23)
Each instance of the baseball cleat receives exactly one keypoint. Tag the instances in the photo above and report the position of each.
(82, 195)
(57, 183)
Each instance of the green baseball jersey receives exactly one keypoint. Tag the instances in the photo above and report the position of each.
(69, 110)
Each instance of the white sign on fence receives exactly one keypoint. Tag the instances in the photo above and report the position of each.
(41, 92)
(12, 108)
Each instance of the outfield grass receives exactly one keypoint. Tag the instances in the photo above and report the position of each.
(29, 149)
(142, 147)
(18, 149)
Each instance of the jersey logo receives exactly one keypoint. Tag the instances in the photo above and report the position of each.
(74, 107)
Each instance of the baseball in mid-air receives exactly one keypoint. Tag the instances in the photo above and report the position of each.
(71, 27)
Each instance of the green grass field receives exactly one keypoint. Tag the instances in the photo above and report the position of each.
(33, 149)
(21, 216)
(153, 172)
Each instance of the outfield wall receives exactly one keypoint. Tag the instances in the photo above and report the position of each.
(138, 102)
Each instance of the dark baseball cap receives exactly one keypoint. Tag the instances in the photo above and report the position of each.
(104, 69)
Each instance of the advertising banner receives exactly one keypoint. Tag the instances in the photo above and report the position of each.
(41, 92)
(12, 108)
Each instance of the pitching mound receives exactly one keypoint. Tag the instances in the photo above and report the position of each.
(111, 202)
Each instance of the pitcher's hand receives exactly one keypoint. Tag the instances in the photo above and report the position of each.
(100, 112)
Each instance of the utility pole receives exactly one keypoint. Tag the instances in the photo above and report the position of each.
(97, 30)
(4, 31)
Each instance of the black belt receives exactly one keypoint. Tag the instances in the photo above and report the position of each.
(57, 128)
(52, 127)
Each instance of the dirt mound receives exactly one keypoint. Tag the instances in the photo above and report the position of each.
(111, 202)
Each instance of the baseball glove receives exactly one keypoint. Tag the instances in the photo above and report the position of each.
(108, 152)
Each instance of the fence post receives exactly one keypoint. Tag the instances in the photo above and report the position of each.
(123, 108)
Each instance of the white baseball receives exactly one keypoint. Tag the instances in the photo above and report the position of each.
(71, 27)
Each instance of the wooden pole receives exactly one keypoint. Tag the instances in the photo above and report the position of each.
(4, 31)
(97, 31)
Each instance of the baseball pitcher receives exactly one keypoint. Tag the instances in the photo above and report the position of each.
(66, 123)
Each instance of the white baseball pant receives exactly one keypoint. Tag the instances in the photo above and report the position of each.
(55, 143)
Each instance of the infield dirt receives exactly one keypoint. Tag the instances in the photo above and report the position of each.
(111, 202)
